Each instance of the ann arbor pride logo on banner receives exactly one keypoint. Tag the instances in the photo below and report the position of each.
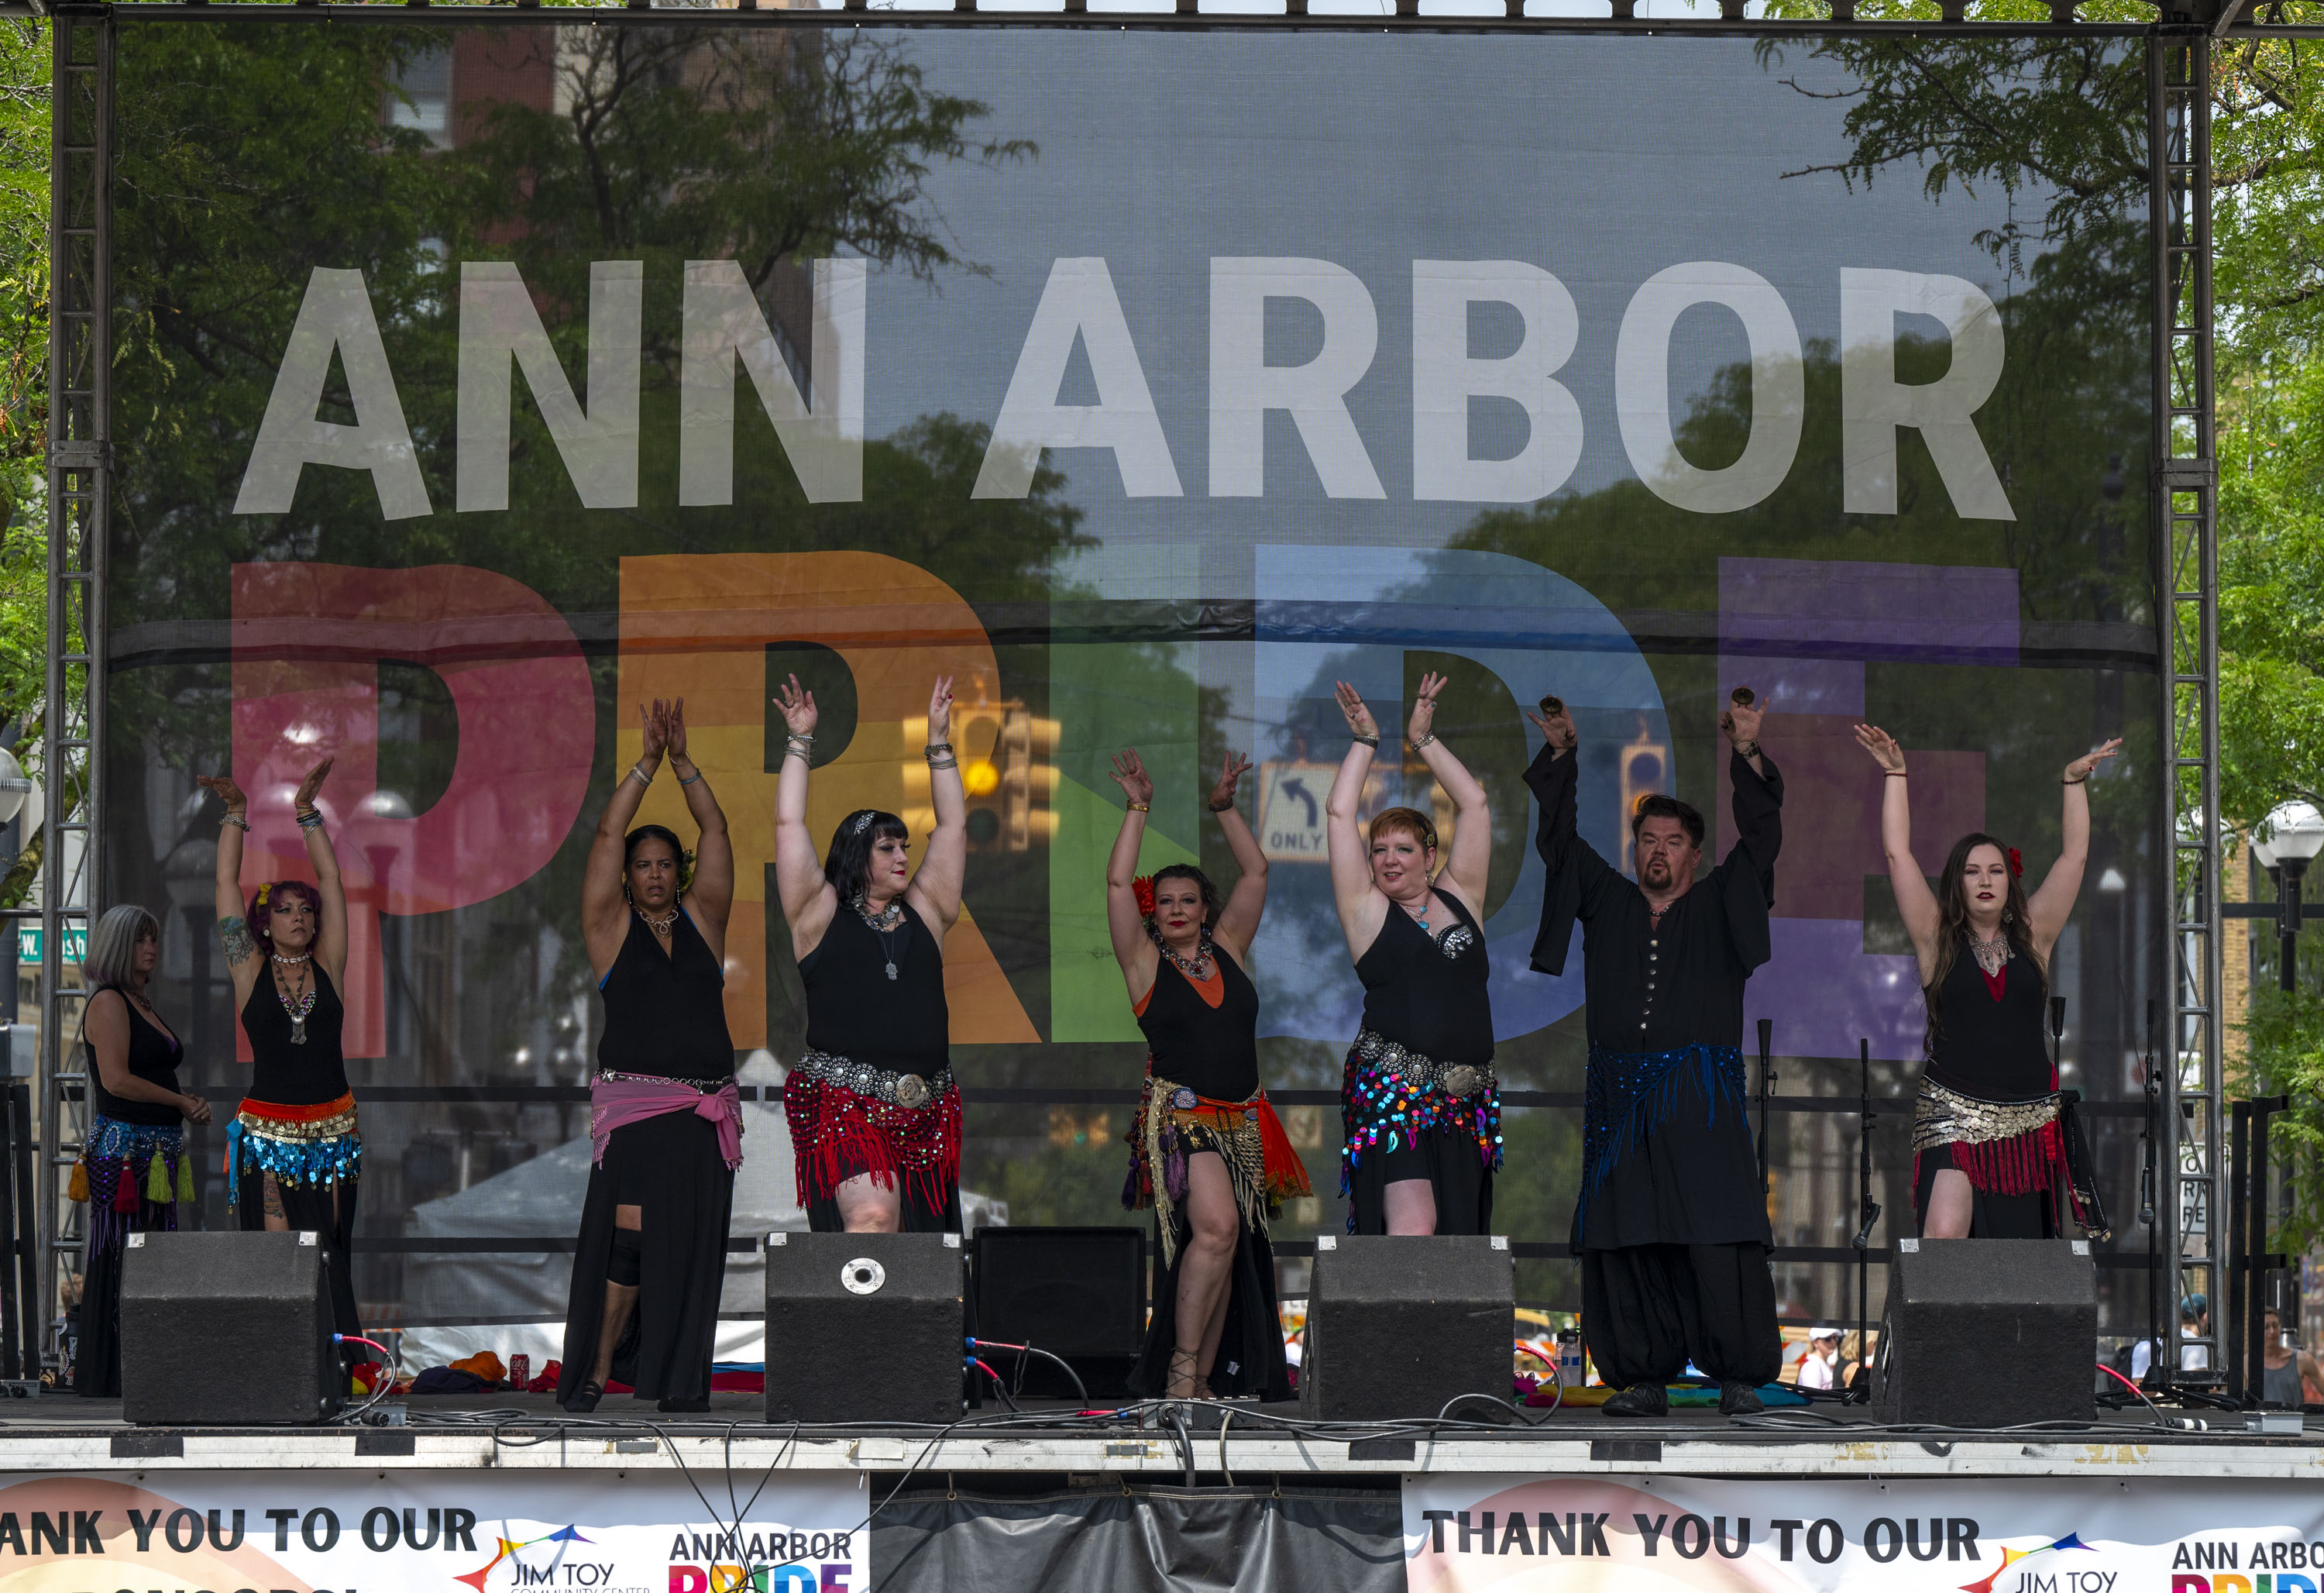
(765, 1563)
(2127, 1533)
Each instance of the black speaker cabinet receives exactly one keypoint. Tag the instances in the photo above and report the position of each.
(1988, 1332)
(1078, 1292)
(1397, 1325)
(227, 1329)
(864, 1327)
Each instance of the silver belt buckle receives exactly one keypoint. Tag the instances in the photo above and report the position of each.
(1460, 1080)
(911, 1090)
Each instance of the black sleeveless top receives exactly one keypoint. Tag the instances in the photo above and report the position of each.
(294, 1075)
(153, 1057)
(666, 1012)
(854, 1010)
(1211, 1050)
(1427, 994)
(1988, 1048)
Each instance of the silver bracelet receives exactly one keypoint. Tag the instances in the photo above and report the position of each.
(644, 779)
(1427, 740)
(240, 823)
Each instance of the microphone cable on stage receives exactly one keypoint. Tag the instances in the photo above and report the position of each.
(1025, 1349)
(386, 1374)
(1000, 1385)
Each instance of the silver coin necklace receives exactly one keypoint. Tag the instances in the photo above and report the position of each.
(304, 1005)
(883, 923)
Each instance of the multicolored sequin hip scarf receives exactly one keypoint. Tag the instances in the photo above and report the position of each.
(2002, 1147)
(848, 1117)
(313, 1145)
(1627, 1095)
(129, 1170)
(1174, 1122)
(1389, 1096)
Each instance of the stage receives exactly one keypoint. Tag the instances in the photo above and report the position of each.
(1051, 1445)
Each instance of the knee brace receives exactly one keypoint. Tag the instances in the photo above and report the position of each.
(627, 1263)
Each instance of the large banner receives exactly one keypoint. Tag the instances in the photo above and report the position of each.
(416, 1532)
(478, 384)
(1900, 1534)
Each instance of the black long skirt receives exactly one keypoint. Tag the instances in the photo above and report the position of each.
(669, 1168)
(1250, 1344)
(1991, 1216)
(327, 1208)
(1647, 1309)
(1447, 1158)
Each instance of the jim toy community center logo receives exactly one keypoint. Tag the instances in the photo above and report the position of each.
(566, 1559)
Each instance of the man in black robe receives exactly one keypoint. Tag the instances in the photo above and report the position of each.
(1671, 1226)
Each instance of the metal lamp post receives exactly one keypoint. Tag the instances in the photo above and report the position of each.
(2288, 842)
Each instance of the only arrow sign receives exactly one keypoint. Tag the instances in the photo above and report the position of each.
(1296, 787)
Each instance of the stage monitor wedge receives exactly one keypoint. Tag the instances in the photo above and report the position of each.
(1988, 1332)
(865, 1327)
(1397, 1325)
(227, 1329)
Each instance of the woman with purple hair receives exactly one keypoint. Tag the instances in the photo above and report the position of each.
(294, 1159)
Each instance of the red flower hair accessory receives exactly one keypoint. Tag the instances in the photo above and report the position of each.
(1142, 887)
(2016, 865)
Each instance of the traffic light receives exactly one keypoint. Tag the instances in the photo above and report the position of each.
(1006, 773)
(1645, 769)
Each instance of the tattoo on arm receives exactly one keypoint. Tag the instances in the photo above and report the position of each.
(235, 934)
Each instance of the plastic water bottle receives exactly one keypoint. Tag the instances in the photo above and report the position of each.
(1568, 1359)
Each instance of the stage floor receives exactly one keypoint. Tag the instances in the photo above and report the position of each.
(529, 1432)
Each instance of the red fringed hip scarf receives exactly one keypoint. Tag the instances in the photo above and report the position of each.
(848, 1117)
(2002, 1147)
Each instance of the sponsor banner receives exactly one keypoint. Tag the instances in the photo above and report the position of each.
(1514, 1534)
(419, 1532)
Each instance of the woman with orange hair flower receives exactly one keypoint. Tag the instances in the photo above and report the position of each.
(1206, 1151)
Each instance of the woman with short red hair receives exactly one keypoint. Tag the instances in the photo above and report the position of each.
(1418, 1104)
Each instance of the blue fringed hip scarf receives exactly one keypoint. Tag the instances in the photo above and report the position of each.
(301, 1147)
(1627, 1095)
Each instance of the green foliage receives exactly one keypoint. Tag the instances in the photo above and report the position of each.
(2284, 1036)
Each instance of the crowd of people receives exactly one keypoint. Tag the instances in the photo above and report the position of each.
(1669, 1223)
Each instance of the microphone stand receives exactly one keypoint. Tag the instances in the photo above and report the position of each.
(2156, 1371)
(1860, 1391)
(1766, 1097)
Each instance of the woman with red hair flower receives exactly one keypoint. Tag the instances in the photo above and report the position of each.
(1206, 1151)
(1988, 1141)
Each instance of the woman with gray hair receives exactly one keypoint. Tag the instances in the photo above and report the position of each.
(133, 1167)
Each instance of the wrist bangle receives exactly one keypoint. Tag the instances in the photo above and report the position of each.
(1891, 774)
(1747, 749)
(1371, 741)
(238, 821)
(938, 747)
(1140, 806)
(682, 780)
(1226, 806)
(2063, 780)
(311, 820)
(1427, 740)
(936, 764)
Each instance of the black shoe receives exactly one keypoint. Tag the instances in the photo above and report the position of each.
(1738, 1398)
(584, 1399)
(1640, 1398)
(701, 1404)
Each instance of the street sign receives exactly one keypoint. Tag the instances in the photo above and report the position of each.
(1291, 812)
(28, 943)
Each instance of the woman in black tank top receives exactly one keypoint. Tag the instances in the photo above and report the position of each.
(133, 1167)
(1206, 1151)
(1991, 1133)
(665, 1118)
(873, 1113)
(294, 1149)
(1419, 1110)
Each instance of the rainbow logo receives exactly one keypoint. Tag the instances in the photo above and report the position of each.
(509, 1551)
(2009, 1557)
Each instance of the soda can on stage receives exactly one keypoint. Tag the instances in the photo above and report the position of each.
(519, 1370)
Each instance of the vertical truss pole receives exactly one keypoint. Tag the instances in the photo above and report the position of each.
(2186, 615)
(80, 346)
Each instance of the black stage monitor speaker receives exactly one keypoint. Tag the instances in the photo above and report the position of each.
(226, 1329)
(864, 1327)
(1078, 1292)
(1395, 1326)
(1988, 1332)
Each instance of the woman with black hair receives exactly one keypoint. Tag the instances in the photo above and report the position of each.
(294, 1157)
(665, 1118)
(873, 1112)
(1988, 1144)
(1206, 1151)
